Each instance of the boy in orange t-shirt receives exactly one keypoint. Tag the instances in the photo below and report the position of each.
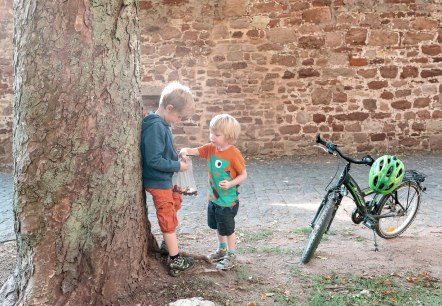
(226, 167)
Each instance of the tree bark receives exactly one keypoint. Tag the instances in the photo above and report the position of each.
(81, 223)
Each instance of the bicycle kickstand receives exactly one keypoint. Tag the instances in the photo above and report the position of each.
(375, 242)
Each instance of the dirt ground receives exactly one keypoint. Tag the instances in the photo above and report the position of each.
(269, 266)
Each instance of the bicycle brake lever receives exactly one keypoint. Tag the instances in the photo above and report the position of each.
(326, 149)
(321, 147)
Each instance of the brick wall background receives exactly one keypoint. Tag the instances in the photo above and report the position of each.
(366, 73)
(6, 29)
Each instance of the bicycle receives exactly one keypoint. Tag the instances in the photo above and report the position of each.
(388, 215)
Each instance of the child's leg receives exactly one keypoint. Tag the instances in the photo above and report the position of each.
(212, 212)
(166, 205)
(231, 242)
(171, 243)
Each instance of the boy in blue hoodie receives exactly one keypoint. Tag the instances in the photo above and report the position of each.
(160, 160)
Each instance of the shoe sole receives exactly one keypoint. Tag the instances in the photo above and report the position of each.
(225, 269)
(215, 260)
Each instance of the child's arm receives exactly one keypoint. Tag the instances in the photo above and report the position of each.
(241, 177)
(189, 151)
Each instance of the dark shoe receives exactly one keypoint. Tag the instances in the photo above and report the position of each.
(180, 264)
(163, 249)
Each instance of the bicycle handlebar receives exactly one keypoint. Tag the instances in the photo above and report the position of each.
(331, 148)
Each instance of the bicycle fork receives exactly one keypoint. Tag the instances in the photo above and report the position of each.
(336, 201)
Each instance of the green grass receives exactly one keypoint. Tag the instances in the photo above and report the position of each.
(274, 250)
(280, 297)
(335, 290)
(256, 236)
(360, 238)
(264, 250)
(306, 230)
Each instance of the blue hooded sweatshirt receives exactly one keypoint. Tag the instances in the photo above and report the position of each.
(159, 157)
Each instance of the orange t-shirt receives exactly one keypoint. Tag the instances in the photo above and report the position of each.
(222, 165)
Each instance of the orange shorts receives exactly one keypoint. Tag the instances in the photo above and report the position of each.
(167, 203)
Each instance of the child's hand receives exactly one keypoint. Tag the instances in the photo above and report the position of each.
(225, 184)
(183, 165)
(183, 152)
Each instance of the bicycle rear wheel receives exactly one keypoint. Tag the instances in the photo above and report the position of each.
(398, 209)
(319, 227)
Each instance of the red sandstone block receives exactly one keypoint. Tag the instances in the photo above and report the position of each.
(369, 104)
(368, 73)
(265, 8)
(424, 24)
(437, 114)
(283, 60)
(423, 114)
(174, 2)
(431, 73)
(356, 116)
(317, 15)
(377, 84)
(288, 75)
(418, 126)
(321, 96)
(431, 49)
(402, 93)
(389, 71)
(402, 104)
(308, 73)
(414, 38)
(321, 2)
(409, 72)
(378, 137)
(339, 97)
(145, 5)
(386, 95)
(234, 7)
(358, 62)
(383, 38)
(318, 118)
(311, 42)
(356, 36)
(310, 129)
(421, 102)
(290, 129)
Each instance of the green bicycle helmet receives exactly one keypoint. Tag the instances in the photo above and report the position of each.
(386, 174)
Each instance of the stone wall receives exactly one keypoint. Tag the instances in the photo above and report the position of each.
(5, 83)
(366, 73)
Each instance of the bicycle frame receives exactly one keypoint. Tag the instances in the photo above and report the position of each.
(358, 195)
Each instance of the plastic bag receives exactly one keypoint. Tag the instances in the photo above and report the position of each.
(184, 182)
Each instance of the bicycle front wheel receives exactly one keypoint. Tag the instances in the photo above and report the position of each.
(319, 227)
(398, 209)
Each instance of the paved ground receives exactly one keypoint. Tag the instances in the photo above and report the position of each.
(282, 191)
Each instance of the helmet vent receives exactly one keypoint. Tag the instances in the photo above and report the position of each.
(386, 174)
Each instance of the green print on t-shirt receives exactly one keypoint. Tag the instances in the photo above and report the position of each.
(218, 169)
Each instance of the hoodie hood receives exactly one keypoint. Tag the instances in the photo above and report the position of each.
(153, 118)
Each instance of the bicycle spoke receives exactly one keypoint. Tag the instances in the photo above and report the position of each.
(397, 210)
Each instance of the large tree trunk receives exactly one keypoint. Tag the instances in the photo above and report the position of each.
(81, 223)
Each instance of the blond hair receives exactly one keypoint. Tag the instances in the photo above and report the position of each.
(227, 125)
(177, 95)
